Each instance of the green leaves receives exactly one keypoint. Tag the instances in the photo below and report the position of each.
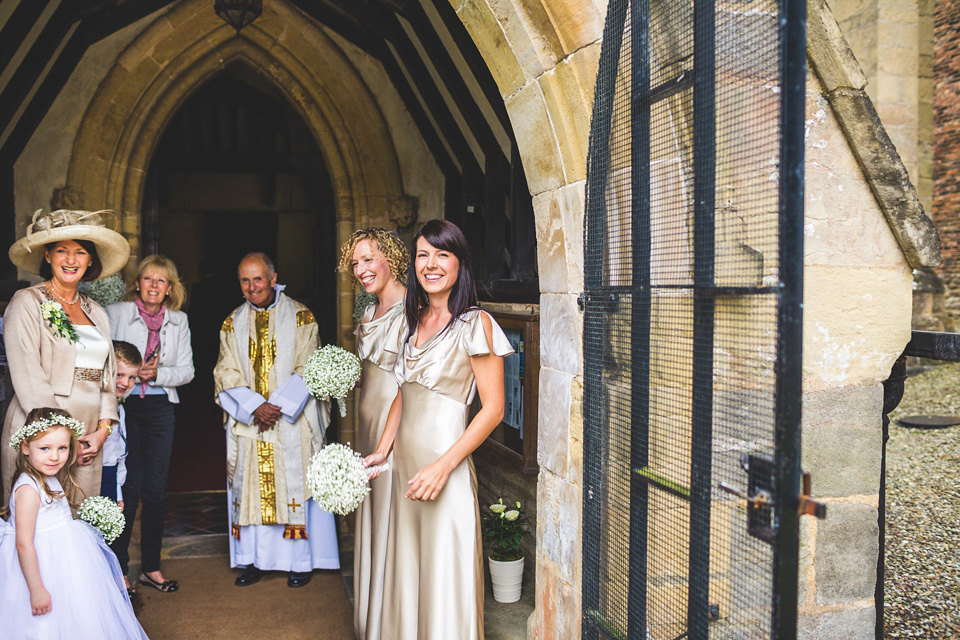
(503, 529)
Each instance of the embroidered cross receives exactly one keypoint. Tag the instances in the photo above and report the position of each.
(236, 503)
(293, 505)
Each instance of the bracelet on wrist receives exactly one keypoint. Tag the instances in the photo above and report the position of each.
(106, 425)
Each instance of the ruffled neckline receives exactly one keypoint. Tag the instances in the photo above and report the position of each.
(415, 353)
(368, 325)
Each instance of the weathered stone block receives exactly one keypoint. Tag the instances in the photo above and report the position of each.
(558, 604)
(559, 223)
(558, 525)
(849, 624)
(831, 57)
(569, 99)
(577, 22)
(846, 556)
(561, 333)
(553, 442)
(804, 562)
(492, 44)
(842, 440)
(857, 323)
(536, 139)
(530, 34)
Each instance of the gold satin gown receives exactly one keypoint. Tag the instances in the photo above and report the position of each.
(378, 345)
(433, 588)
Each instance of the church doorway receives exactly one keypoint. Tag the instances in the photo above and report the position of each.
(236, 170)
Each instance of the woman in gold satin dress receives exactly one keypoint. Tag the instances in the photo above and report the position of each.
(378, 260)
(433, 587)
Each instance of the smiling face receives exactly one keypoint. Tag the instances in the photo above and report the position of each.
(256, 282)
(50, 452)
(153, 285)
(126, 377)
(370, 267)
(437, 269)
(68, 262)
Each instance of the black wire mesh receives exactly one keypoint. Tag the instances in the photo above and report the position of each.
(681, 320)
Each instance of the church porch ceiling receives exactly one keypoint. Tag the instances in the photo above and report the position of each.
(421, 44)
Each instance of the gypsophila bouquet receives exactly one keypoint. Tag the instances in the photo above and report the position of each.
(337, 479)
(52, 311)
(103, 514)
(105, 290)
(331, 372)
(503, 530)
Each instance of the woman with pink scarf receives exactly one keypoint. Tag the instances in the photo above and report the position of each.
(151, 320)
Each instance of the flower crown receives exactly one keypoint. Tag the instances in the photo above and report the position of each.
(38, 426)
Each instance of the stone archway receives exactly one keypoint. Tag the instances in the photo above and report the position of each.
(184, 47)
(544, 58)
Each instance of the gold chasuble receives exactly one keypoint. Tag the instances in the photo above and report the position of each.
(263, 351)
(260, 350)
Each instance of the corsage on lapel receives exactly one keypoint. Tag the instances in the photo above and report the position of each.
(52, 311)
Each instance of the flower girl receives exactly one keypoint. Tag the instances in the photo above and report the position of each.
(60, 580)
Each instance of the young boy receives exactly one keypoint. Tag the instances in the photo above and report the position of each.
(115, 448)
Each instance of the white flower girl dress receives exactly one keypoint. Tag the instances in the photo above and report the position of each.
(88, 597)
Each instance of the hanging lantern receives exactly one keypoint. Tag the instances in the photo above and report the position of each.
(238, 13)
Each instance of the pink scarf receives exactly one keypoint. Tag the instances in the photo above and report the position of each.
(153, 321)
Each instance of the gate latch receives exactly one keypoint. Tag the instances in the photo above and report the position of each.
(809, 506)
(760, 497)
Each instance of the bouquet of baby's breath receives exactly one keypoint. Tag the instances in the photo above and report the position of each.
(103, 514)
(105, 290)
(337, 479)
(331, 372)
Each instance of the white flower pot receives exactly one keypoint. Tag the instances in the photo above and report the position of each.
(507, 579)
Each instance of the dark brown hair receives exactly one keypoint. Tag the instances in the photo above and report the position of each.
(447, 236)
(93, 271)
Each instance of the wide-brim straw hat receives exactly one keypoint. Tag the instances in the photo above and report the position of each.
(63, 224)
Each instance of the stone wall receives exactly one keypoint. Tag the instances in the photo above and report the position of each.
(861, 244)
(946, 133)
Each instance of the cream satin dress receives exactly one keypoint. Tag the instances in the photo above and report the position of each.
(433, 587)
(378, 345)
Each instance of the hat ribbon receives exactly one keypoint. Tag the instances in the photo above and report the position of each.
(64, 218)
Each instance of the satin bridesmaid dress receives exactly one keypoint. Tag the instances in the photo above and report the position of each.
(433, 588)
(378, 344)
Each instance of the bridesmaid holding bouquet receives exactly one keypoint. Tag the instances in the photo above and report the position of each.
(378, 260)
(433, 588)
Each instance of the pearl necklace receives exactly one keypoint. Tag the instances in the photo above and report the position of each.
(61, 298)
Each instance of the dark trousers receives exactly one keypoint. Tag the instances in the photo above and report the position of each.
(149, 444)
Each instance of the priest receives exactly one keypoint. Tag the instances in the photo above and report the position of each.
(273, 428)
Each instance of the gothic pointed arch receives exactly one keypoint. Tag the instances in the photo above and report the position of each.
(184, 47)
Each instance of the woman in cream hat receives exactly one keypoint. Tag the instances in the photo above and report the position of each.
(57, 339)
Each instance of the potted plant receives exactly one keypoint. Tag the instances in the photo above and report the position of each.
(503, 529)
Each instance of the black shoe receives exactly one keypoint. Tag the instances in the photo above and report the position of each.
(251, 575)
(296, 579)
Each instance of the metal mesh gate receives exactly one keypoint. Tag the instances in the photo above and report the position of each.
(693, 268)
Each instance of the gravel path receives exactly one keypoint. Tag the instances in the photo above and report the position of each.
(922, 594)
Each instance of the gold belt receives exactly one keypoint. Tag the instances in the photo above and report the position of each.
(93, 375)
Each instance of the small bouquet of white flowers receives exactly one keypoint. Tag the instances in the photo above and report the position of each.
(105, 291)
(337, 478)
(103, 514)
(331, 372)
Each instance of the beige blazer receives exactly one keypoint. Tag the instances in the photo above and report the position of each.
(41, 364)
